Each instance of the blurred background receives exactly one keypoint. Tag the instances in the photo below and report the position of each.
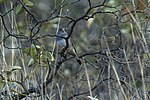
(110, 36)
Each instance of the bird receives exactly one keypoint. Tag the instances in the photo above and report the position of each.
(61, 43)
(61, 40)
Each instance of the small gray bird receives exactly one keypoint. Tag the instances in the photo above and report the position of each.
(61, 44)
(60, 39)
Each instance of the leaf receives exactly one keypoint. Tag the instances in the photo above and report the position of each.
(47, 55)
(90, 22)
(92, 98)
(31, 62)
(15, 68)
(19, 9)
(145, 56)
(3, 1)
(28, 3)
(26, 51)
(33, 51)
(10, 71)
(2, 83)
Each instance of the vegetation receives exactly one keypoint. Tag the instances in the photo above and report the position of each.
(111, 39)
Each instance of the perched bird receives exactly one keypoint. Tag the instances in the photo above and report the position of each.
(61, 36)
(61, 43)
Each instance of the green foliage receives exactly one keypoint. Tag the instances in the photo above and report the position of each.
(46, 55)
(2, 83)
(28, 3)
(3, 1)
(32, 51)
(31, 62)
(11, 71)
(38, 55)
(19, 9)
